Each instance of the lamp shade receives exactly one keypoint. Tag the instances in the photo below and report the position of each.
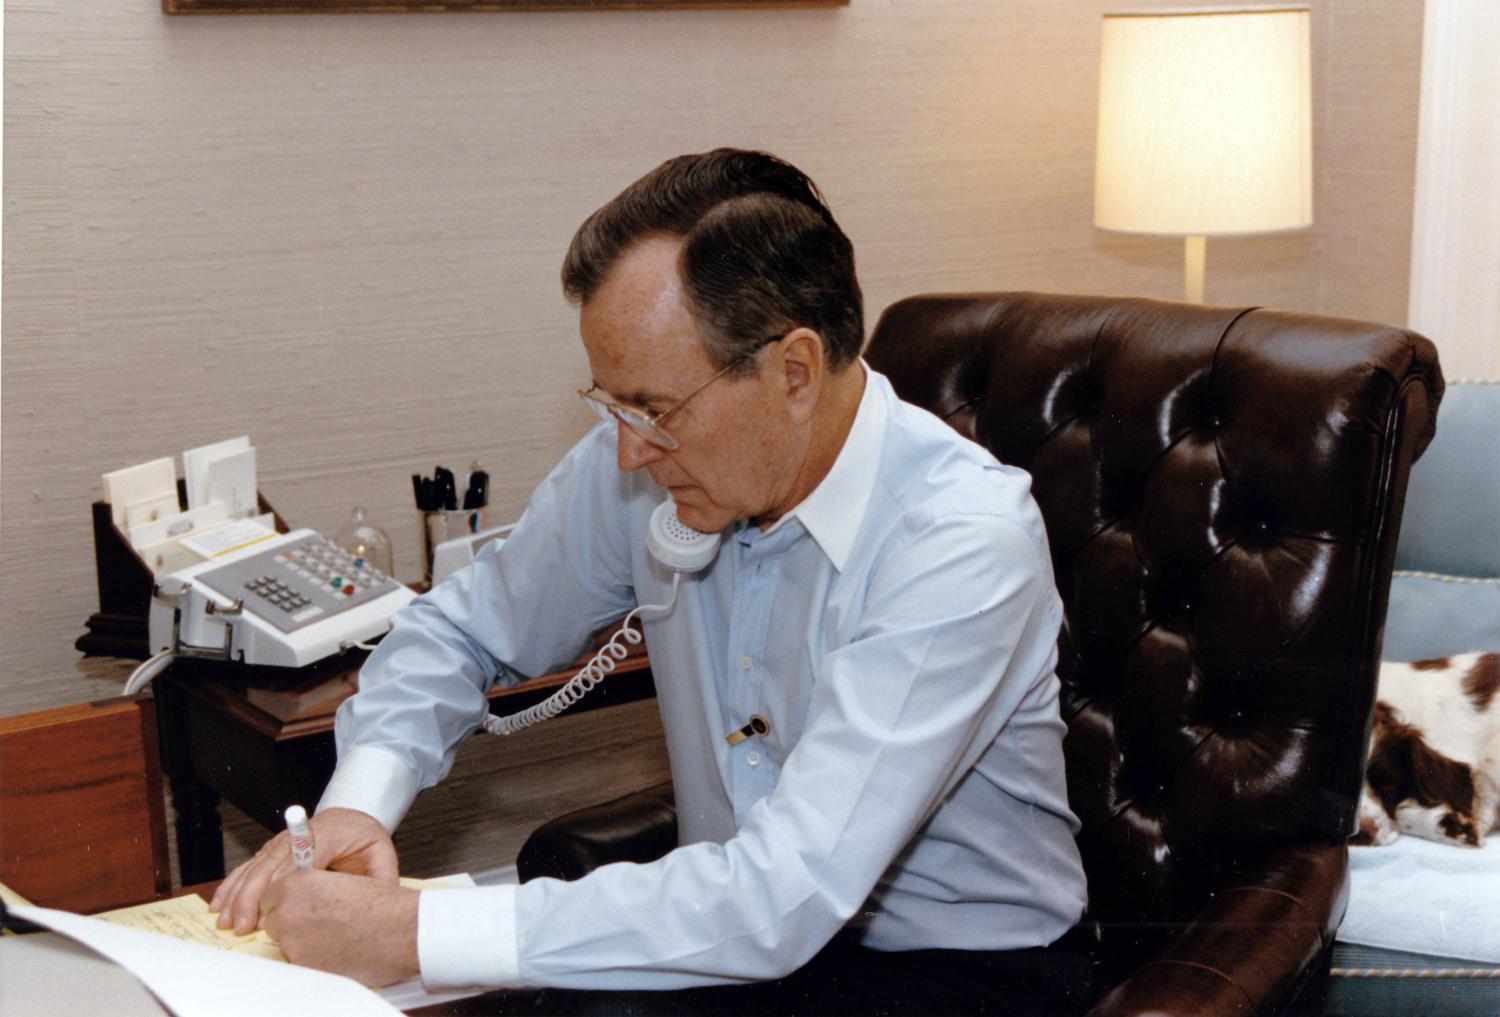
(1205, 121)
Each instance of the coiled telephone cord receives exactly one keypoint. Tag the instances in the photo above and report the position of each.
(587, 679)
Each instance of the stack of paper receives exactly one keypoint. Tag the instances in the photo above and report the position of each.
(192, 979)
(222, 511)
(176, 948)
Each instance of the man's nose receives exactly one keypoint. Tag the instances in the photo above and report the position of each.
(633, 451)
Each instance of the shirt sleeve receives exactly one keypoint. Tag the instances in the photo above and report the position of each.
(898, 716)
(524, 608)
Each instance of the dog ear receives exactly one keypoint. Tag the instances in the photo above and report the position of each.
(1389, 770)
(1439, 780)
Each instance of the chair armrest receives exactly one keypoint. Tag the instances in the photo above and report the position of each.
(1252, 948)
(639, 827)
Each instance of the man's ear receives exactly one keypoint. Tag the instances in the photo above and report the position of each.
(803, 368)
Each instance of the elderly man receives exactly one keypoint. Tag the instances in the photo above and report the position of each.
(858, 692)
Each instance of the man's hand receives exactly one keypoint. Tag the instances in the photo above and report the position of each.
(343, 839)
(349, 925)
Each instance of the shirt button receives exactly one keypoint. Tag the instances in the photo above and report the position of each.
(745, 663)
(753, 759)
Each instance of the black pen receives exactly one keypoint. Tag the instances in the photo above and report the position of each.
(477, 496)
(446, 489)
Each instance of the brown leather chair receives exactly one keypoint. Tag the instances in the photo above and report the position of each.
(1222, 488)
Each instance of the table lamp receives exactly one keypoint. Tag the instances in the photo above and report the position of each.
(1205, 125)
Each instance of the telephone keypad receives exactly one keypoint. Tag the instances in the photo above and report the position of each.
(303, 582)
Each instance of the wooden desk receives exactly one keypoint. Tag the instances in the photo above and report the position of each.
(263, 744)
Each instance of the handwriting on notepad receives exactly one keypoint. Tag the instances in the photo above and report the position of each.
(188, 918)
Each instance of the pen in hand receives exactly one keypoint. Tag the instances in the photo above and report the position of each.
(302, 838)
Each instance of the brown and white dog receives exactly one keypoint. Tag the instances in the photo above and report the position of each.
(1434, 764)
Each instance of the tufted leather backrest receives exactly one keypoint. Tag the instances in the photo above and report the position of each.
(1222, 489)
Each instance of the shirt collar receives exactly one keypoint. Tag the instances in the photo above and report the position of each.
(833, 512)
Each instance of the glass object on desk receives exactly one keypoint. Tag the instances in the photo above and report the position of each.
(366, 541)
(441, 526)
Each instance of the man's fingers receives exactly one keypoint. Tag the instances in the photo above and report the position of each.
(239, 898)
(246, 913)
(383, 866)
(228, 891)
(236, 879)
(375, 858)
(226, 888)
(245, 909)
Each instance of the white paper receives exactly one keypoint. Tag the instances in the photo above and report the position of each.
(231, 479)
(194, 980)
(138, 483)
(33, 967)
(179, 524)
(229, 537)
(167, 557)
(149, 510)
(195, 466)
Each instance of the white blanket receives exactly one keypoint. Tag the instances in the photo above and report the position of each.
(1426, 897)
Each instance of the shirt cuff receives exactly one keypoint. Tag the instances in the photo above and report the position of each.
(466, 936)
(373, 781)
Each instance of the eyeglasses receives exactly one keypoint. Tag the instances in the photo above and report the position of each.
(649, 425)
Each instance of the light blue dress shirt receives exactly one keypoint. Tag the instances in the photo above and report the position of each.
(897, 630)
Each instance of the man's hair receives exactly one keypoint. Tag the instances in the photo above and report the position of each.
(761, 253)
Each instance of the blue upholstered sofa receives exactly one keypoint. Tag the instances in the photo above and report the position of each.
(1445, 594)
(1416, 908)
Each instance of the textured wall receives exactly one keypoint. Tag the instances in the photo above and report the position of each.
(340, 235)
(1366, 152)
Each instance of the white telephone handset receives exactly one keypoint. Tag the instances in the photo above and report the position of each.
(677, 545)
(671, 543)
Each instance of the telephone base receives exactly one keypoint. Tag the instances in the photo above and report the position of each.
(286, 601)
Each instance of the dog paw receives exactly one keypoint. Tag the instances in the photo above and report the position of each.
(1374, 834)
(1460, 829)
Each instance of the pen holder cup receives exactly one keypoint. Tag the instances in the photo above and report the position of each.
(440, 526)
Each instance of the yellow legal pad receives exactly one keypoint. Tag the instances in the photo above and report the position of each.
(188, 918)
